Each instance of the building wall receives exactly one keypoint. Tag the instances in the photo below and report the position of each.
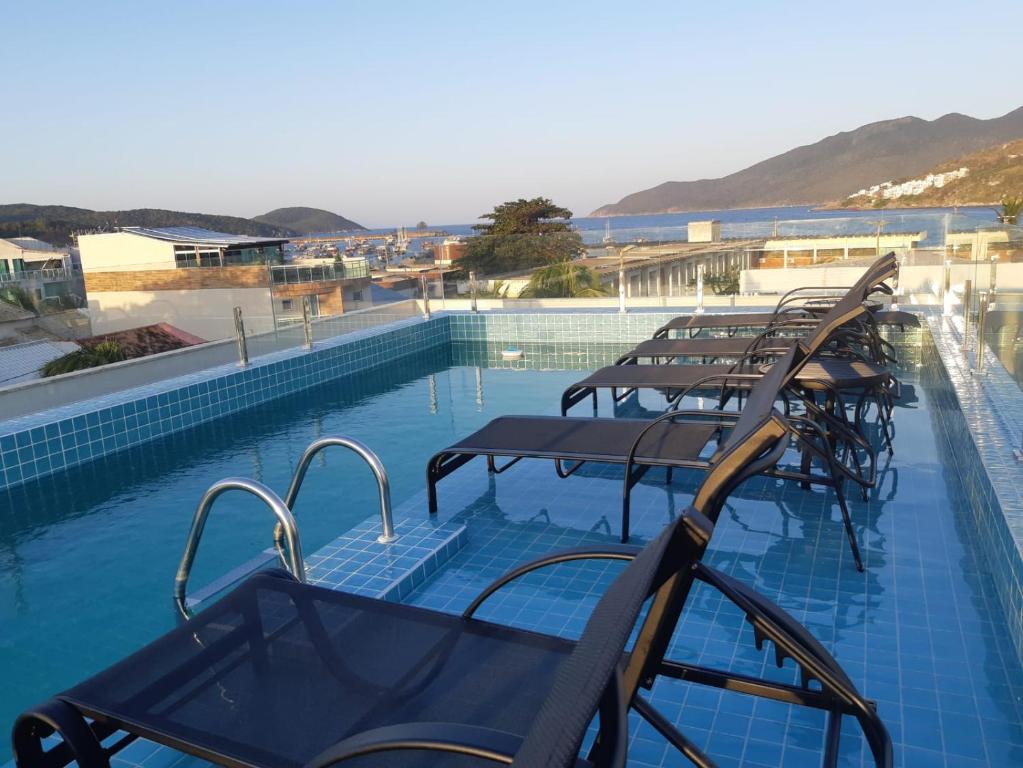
(124, 251)
(703, 231)
(207, 313)
(193, 278)
(331, 301)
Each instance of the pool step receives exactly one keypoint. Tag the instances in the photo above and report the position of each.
(356, 562)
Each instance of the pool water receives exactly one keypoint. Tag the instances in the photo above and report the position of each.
(87, 558)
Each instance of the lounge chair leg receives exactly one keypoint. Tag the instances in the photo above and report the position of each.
(831, 738)
(626, 498)
(672, 734)
(847, 522)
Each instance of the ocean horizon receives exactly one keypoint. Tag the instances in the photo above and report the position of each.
(757, 223)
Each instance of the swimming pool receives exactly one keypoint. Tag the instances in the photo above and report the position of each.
(89, 554)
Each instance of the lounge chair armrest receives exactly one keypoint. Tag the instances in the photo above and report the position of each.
(473, 740)
(724, 378)
(792, 640)
(604, 552)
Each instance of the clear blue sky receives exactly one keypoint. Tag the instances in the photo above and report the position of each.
(392, 112)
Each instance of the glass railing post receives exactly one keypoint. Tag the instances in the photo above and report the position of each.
(967, 301)
(993, 286)
(699, 288)
(981, 331)
(307, 323)
(426, 296)
(239, 331)
(946, 292)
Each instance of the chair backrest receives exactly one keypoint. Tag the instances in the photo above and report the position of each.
(760, 402)
(590, 677)
(882, 269)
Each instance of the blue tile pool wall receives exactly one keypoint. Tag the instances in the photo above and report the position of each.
(50, 441)
(977, 415)
(557, 328)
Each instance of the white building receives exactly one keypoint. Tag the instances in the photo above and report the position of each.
(193, 278)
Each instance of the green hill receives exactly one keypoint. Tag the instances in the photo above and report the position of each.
(832, 168)
(307, 220)
(56, 223)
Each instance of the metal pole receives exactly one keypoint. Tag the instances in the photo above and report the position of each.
(967, 301)
(699, 288)
(994, 279)
(946, 291)
(472, 290)
(239, 332)
(270, 277)
(621, 289)
(307, 322)
(981, 330)
(426, 296)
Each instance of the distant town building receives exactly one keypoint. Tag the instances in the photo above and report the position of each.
(891, 191)
(704, 231)
(193, 278)
(448, 252)
(43, 271)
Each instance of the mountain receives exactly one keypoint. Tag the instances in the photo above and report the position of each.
(831, 169)
(307, 220)
(56, 223)
(991, 175)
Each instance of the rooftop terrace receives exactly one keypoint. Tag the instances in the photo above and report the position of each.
(932, 631)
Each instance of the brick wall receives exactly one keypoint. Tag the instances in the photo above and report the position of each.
(177, 279)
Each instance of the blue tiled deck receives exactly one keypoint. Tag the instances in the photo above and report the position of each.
(922, 632)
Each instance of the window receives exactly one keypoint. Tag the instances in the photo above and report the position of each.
(356, 295)
(287, 304)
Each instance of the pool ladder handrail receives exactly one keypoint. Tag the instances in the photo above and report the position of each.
(367, 455)
(285, 524)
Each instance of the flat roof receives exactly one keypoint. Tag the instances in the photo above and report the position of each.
(200, 236)
(31, 244)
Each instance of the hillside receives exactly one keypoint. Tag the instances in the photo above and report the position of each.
(307, 220)
(991, 175)
(55, 223)
(831, 169)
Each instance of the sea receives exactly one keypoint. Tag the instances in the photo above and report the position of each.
(756, 223)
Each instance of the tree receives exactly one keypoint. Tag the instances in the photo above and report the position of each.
(726, 283)
(563, 280)
(521, 234)
(1010, 211)
(422, 226)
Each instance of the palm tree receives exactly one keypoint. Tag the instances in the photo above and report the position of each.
(563, 280)
(1011, 209)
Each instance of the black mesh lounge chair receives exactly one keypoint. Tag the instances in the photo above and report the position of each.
(678, 439)
(283, 674)
(798, 306)
(870, 379)
(898, 318)
(857, 339)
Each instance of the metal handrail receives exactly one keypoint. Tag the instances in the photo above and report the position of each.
(285, 522)
(369, 457)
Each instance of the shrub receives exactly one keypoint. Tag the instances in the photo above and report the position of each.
(90, 357)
